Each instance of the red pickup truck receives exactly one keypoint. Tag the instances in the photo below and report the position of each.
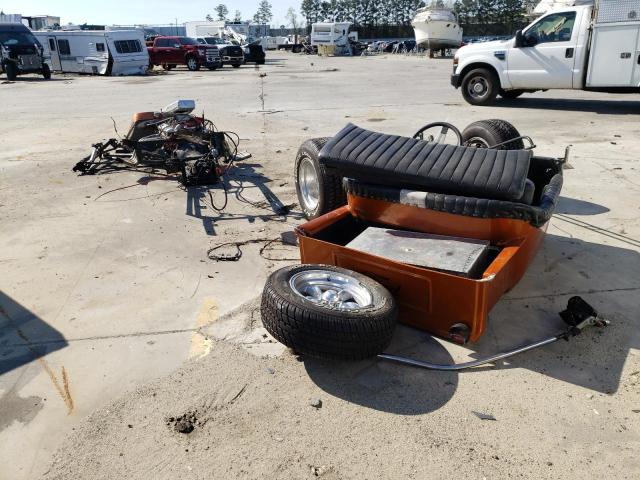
(172, 51)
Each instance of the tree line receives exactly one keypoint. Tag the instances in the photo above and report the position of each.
(492, 17)
(375, 18)
(392, 18)
(264, 13)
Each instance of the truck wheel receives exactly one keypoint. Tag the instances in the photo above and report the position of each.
(511, 94)
(11, 71)
(480, 86)
(260, 62)
(192, 64)
(46, 72)
(236, 65)
(318, 191)
(328, 312)
(487, 133)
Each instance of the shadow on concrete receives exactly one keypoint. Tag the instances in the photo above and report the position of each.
(607, 277)
(608, 107)
(24, 337)
(201, 200)
(386, 386)
(33, 79)
(574, 206)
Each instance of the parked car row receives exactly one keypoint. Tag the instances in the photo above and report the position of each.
(392, 46)
(113, 52)
(207, 52)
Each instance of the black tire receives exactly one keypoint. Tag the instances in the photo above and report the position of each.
(487, 80)
(192, 64)
(11, 71)
(324, 332)
(212, 68)
(166, 67)
(487, 133)
(46, 71)
(331, 194)
(260, 62)
(236, 65)
(511, 94)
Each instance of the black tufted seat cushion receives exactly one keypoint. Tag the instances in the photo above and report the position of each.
(408, 163)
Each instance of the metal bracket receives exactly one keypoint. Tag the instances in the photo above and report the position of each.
(578, 316)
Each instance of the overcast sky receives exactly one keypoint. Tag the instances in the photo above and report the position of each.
(125, 12)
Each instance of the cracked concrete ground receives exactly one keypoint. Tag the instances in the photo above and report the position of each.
(113, 318)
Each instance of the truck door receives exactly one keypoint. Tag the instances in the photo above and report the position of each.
(176, 52)
(547, 55)
(162, 50)
(55, 55)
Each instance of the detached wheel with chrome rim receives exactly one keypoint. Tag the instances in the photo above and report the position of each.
(319, 191)
(328, 312)
(480, 86)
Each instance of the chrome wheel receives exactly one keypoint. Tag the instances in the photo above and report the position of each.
(478, 87)
(477, 142)
(308, 183)
(192, 64)
(330, 289)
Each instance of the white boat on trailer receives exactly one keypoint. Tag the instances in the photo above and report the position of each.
(436, 28)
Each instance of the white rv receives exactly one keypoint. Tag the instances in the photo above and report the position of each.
(99, 52)
(330, 34)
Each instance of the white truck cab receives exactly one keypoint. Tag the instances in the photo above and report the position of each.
(587, 47)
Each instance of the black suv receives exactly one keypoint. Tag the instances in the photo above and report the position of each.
(20, 52)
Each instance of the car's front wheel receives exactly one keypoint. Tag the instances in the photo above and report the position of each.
(46, 71)
(11, 71)
(192, 64)
(480, 86)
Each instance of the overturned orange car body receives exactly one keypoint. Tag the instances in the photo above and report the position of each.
(452, 306)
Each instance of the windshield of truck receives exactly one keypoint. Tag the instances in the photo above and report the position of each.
(17, 38)
(188, 41)
(553, 28)
(214, 41)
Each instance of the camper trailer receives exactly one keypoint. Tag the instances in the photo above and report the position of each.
(98, 52)
(331, 34)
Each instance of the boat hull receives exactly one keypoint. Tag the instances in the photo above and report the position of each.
(437, 34)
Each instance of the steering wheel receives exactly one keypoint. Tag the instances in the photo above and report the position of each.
(444, 130)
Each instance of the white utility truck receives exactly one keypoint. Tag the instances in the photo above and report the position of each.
(587, 46)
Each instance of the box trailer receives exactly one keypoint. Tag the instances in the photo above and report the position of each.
(587, 46)
(98, 52)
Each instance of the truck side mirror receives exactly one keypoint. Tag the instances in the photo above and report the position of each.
(519, 41)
